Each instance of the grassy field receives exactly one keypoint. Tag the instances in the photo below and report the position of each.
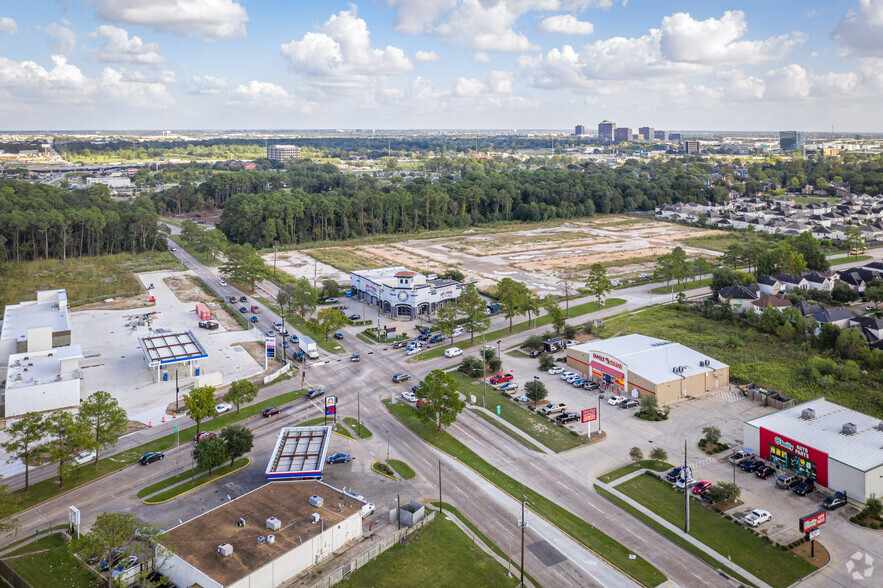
(578, 310)
(354, 425)
(603, 545)
(777, 568)
(724, 239)
(758, 358)
(343, 258)
(84, 474)
(547, 432)
(849, 259)
(181, 488)
(84, 278)
(53, 557)
(682, 287)
(440, 554)
(402, 469)
(656, 466)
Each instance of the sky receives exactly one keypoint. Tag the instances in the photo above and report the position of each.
(441, 64)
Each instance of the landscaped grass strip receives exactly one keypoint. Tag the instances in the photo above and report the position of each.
(354, 425)
(206, 478)
(506, 430)
(402, 469)
(601, 544)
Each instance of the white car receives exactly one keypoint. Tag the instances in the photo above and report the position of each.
(565, 375)
(409, 396)
(757, 516)
(368, 509)
(555, 370)
(571, 343)
(690, 483)
(223, 283)
(457, 331)
(412, 351)
(84, 457)
(614, 400)
(453, 352)
(521, 399)
(224, 407)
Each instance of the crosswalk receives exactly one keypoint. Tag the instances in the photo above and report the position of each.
(698, 464)
(729, 395)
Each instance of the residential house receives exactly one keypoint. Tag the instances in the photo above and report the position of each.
(817, 281)
(807, 308)
(770, 285)
(837, 316)
(774, 301)
(871, 328)
(740, 297)
(792, 282)
(853, 279)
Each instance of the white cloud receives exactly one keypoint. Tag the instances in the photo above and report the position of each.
(64, 37)
(130, 88)
(742, 87)
(207, 85)
(481, 57)
(566, 24)
(698, 96)
(340, 55)
(488, 25)
(63, 83)
(199, 18)
(8, 26)
(268, 96)
(497, 82)
(413, 16)
(426, 56)
(716, 41)
(860, 32)
(120, 48)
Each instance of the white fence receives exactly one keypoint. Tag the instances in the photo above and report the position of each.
(343, 571)
(283, 370)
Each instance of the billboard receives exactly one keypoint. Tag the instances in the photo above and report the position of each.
(588, 415)
(810, 522)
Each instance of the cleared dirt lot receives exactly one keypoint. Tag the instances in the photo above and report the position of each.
(626, 245)
(186, 289)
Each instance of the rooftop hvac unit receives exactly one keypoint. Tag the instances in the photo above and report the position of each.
(271, 538)
(674, 370)
(261, 540)
(880, 426)
(317, 501)
(225, 550)
(849, 429)
(807, 414)
(240, 523)
(274, 524)
(315, 517)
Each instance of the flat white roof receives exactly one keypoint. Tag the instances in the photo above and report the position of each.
(173, 347)
(299, 453)
(49, 310)
(387, 275)
(862, 451)
(43, 367)
(652, 359)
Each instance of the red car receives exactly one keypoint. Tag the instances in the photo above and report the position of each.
(500, 378)
(701, 488)
(204, 435)
(268, 412)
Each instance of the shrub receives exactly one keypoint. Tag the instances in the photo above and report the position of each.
(875, 525)
(636, 454)
(533, 342)
(547, 362)
(570, 331)
(658, 454)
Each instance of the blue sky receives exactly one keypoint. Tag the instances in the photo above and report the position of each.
(221, 64)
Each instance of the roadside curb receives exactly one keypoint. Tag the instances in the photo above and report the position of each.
(381, 473)
(200, 486)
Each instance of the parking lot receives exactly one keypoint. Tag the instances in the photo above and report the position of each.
(113, 360)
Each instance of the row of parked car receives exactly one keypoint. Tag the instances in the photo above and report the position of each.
(750, 463)
(573, 378)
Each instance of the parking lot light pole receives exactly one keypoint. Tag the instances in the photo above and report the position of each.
(499, 353)
(387, 446)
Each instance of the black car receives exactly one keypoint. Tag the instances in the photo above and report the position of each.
(436, 338)
(243, 310)
(151, 457)
(835, 502)
(807, 486)
(765, 472)
(567, 417)
(314, 392)
(750, 465)
(674, 474)
(422, 337)
(534, 353)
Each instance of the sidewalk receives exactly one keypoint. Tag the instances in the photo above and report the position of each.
(515, 430)
(677, 531)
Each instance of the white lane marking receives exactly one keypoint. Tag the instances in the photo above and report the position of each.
(537, 467)
(595, 507)
(408, 445)
(460, 491)
(562, 485)
(468, 435)
(635, 534)
(694, 575)
(562, 577)
(504, 528)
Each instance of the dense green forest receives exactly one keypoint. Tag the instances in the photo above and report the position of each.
(40, 221)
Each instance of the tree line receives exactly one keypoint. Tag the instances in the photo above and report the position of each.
(41, 221)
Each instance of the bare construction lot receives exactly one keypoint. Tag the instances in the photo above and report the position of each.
(626, 245)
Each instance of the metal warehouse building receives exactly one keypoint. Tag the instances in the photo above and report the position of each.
(841, 448)
(641, 365)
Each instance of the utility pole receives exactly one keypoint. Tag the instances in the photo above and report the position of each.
(441, 505)
(399, 511)
(275, 250)
(686, 492)
(176, 390)
(359, 411)
(522, 536)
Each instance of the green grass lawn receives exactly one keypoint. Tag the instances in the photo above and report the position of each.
(53, 567)
(195, 482)
(465, 343)
(545, 431)
(84, 474)
(505, 430)
(849, 259)
(682, 287)
(604, 546)
(777, 568)
(760, 358)
(402, 469)
(440, 554)
(354, 425)
(84, 278)
(343, 258)
(656, 466)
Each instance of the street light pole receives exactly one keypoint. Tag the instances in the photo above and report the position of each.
(275, 250)
(387, 446)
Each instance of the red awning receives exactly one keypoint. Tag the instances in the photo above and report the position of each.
(607, 370)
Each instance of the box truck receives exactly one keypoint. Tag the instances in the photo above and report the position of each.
(309, 347)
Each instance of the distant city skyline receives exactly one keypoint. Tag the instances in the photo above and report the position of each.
(442, 64)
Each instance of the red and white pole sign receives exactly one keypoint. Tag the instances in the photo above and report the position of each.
(589, 415)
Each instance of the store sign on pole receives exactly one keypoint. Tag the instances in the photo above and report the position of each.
(73, 517)
(270, 344)
(812, 535)
(330, 405)
(810, 522)
(589, 415)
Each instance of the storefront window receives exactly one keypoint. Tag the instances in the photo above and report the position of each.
(785, 460)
